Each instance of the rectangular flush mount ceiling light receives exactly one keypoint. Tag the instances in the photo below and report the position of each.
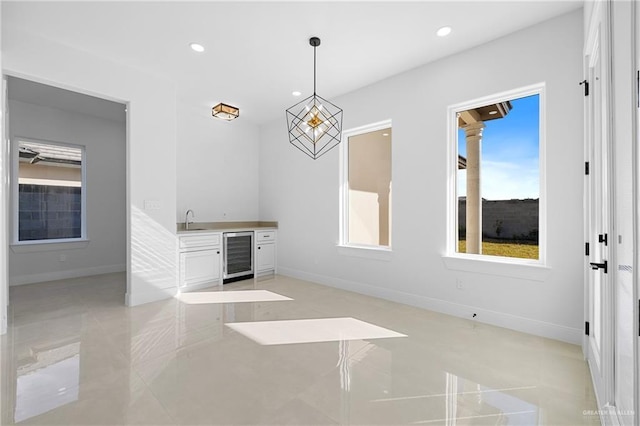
(241, 296)
(311, 331)
(225, 112)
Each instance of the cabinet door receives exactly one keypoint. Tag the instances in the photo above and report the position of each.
(198, 267)
(265, 257)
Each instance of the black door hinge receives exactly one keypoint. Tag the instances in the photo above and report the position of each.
(586, 87)
(586, 249)
(586, 167)
(602, 238)
(586, 328)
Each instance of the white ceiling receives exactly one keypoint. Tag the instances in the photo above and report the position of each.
(257, 53)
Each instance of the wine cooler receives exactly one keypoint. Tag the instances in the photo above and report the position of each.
(238, 256)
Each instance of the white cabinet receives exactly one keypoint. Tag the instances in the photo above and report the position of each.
(265, 251)
(199, 267)
(200, 260)
(266, 257)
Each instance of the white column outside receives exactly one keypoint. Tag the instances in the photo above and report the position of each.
(473, 134)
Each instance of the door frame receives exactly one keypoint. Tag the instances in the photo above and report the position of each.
(4, 206)
(599, 35)
(602, 14)
(635, 130)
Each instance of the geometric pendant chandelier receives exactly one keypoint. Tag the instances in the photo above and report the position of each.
(314, 124)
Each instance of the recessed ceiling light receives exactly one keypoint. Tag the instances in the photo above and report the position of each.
(444, 31)
(493, 112)
(296, 93)
(197, 47)
(385, 134)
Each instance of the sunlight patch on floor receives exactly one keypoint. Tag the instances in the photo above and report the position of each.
(311, 331)
(240, 296)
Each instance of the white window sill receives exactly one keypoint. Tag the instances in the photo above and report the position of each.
(367, 252)
(48, 245)
(501, 266)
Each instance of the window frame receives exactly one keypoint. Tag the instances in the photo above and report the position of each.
(480, 262)
(48, 244)
(344, 246)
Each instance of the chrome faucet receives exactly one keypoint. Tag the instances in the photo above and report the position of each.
(186, 219)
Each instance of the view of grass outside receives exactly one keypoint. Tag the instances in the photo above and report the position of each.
(510, 249)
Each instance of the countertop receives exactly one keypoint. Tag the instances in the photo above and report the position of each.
(203, 227)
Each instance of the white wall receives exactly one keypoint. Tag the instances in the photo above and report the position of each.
(217, 166)
(303, 194)
(105, 144)
(151, 146)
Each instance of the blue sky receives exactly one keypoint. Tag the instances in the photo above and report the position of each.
(510, 154)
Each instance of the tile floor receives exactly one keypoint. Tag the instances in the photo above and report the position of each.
(75, 355)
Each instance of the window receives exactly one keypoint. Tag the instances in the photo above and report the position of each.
(497, 197)
(366, 186)
(49, 195)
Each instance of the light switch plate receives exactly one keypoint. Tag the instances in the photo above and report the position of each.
(151, 205)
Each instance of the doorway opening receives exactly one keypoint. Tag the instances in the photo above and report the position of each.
(67, 209)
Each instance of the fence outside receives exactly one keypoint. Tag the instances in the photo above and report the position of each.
(505, 219)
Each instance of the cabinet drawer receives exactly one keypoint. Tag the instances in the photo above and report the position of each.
(201, 240)
(265, 236)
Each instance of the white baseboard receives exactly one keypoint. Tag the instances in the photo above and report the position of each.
(149, 295)
(500, 319)
(209, 284)
(63, 275)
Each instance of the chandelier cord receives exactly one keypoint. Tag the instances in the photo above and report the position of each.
(314, 70)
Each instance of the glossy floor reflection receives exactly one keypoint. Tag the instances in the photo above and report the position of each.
(75, 355)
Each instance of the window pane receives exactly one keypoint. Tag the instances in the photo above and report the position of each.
(498, 178)
(49, 191)
(369, 195)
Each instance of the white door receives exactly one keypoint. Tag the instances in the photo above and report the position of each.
(598, 216)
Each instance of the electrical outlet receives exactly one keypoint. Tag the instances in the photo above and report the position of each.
(62, 258)
(459, 284)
